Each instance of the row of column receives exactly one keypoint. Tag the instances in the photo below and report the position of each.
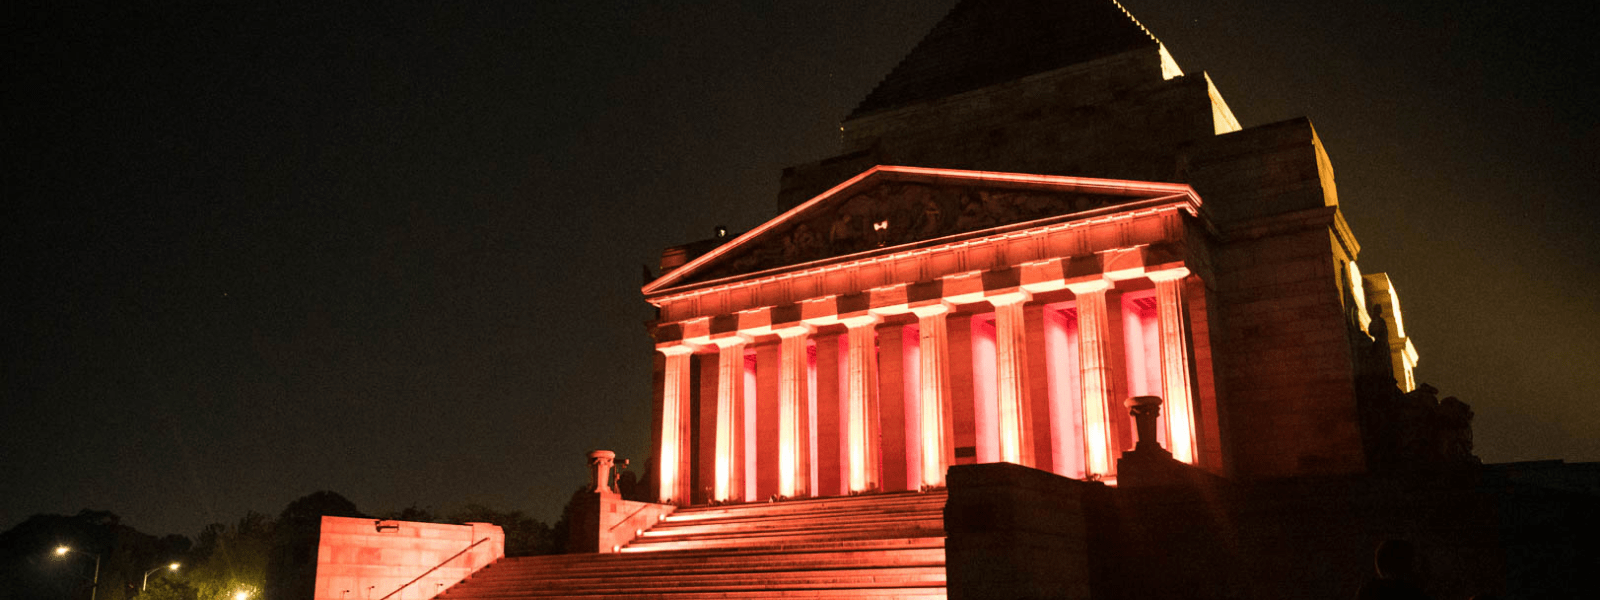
(935, 448)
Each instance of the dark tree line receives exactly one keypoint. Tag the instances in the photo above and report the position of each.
(256, 553)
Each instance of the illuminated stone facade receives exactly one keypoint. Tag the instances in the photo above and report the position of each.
(1008, 247)
(1038, 222)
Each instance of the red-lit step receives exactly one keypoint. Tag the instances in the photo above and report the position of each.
(880, 546)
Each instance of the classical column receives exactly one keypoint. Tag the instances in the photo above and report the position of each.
(794, 432)
(729, 482)
(899, 465)
(1175, 382)
(862, 410)
(673, 456)
(1011, 367)
(934, 397)
(831, 475)
(1095, 364)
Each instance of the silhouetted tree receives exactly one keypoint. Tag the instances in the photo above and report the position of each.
(232, 558)
(525, 536)
(415, 514)
(169, 589)
(30, 569)
(292, 565)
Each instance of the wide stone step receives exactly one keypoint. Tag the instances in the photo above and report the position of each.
(731, 589)
(794, 519)
(879, 546)
(817, 504)
(917, 539)
(669, 576)
(666, 579)
(890, 547)
(822, 527)
(822, 505)
(693, 561)
(895, 593)
(799, 519)
(711, 568)
(785, 541)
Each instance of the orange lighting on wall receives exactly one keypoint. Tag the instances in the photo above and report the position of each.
(792, 418)
(673, 398)
(748, 435)
(911, 390)
(1093, 341)
(1011, 368)
(985, 421)
(863, 388)
(1167, 192)
(730, 398)
(1066, 402)
(1175, 364)
(933, 385)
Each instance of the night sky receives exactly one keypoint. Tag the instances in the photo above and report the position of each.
(250, 252)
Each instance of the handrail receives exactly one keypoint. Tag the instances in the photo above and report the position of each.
(630, 516)
(435, 568)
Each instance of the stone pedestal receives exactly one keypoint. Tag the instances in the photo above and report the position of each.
(600, 463)
(1145, 411)
(602, 521)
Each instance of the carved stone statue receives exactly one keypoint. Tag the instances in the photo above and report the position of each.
(1416, 430)
(1379, 363)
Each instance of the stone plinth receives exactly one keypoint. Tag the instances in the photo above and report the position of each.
(1017, 532)
(357, 557)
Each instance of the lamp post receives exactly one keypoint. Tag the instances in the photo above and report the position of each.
(146, 585)
(94, 589)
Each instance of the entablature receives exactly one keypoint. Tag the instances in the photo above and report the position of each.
(768, 306)
(1152, 231)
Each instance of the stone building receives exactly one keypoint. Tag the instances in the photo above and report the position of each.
(920, 378)
(1036, 215)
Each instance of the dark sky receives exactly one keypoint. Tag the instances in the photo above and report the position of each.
(250, 253)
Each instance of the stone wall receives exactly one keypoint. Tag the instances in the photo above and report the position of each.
(1115, 117)
(361, 558)
(1016, 532)
(1282, 348)
(604, 522)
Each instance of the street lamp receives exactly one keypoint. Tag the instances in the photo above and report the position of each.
(241, 595)
(146, 585)
(95, 588)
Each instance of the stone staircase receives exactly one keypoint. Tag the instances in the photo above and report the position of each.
(877, 546)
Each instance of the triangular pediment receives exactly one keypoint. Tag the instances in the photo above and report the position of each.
(897, 207)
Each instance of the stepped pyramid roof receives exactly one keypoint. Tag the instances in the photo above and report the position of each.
(985, 42)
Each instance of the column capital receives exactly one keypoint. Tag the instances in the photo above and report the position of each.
(1172, 274)
(1017, 297)
(1090, 286)
(793, 331)
(731, 340)
(861, 321)
(931, 310)
(676, 349)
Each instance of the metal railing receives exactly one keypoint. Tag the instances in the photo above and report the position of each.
(435, 568)
(630, 517)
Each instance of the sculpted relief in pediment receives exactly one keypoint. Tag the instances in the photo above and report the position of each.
(894, 213)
